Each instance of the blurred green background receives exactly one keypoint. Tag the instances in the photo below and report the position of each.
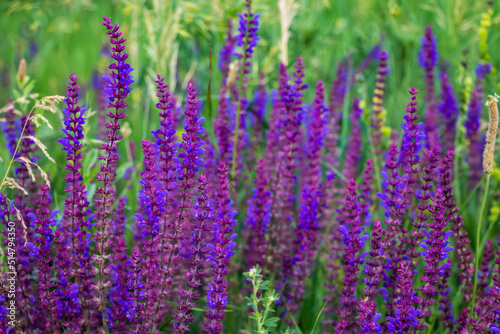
(173, 38)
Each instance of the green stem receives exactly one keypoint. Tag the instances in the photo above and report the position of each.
(478, 238)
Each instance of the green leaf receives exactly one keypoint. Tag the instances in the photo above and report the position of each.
(89, 160)
(120, 172)
(271, 322)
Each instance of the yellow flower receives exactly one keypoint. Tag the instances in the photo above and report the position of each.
(395, 10)
(483, 35)
(386, 131)
(362, 104)
(127, 10)
(494, 213)
(496, 174)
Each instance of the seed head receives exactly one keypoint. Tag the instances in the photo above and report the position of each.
(489, 148)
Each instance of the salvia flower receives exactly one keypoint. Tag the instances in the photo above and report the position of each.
(448, 107)
(351, 230)
(117, 88)
(445, 300)
(259, 216)
(74, 237)
(473, 134)
(353, 153)
(368, 316)
(11, 128)
(423, 196)
(227, 52)
(373, 267)
(151, 198)
(221, 251)
(41, 251)
(428, 57)
(247, 39)
(436, 249)
(202, 214)
(406, 315)
(462, 243)
(188, 164)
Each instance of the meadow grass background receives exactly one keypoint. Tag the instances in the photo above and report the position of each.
(173, 38)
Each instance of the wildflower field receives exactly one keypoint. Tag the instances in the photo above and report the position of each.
(216, 166)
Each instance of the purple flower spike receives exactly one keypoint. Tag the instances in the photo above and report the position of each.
(351, 230)
(473, 134)
(428, 57)
(221, 251)
(482, 70)
(487, 309)
(353, 153)
(259, 217)
(117, 89)
(189, 162)
(247, 39)
(11, 128)
(412, 141)
(151, 198)
(428, 54)
(72, 240)
(227, 52)
(202, 214)
(406, 316)
(448, 108)
(445, 300)
(435, 250)
(373, 267)
(41, 251)
(463, 251)
(167, 149)
(368, 316)
(316, 136)
(423, 205)
(337, 97)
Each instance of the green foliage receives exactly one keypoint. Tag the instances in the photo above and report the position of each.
(261, 303)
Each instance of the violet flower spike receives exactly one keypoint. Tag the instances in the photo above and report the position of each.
(151, 198)
(259, 217)
(11, 128)
(118, 291)
(464, 258)
(188, 164)
(351, 230)
(406, 315)
(368, 316)
(373, 267)
(74, 236)
(227, 52)
(117, 89)
(448, 108)
(221, 251)
(202, 214)
(247, 40)
(427, 59)
(487, 309)
(435, 250)
(353, 153)
(473, 134)
(41, 251)
(167, 150)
